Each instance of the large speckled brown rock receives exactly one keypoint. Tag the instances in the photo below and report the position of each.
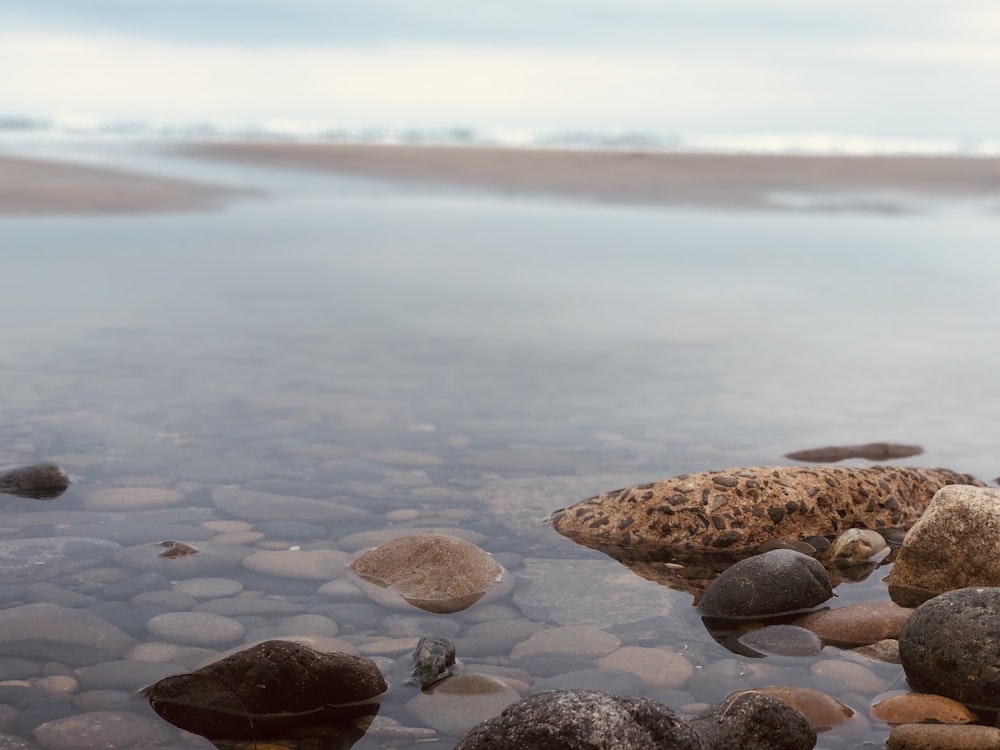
(738, 509)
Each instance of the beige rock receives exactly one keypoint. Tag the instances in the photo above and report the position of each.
(316, 564)
(822, 711)
(575, 640)
(656, 667)
(456, 704)
(955, 544)
(739, 509)
(856, 677)
(940, 736)
(856, 546)
(857, 624)
(917, 708)
(131, 498)
(434, 572)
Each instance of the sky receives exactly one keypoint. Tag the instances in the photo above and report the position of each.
(894, 69)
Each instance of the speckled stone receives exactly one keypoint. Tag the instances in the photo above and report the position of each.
(823, 711)
(195, 628)
(856, 546)
(458, 703)
(739, 509)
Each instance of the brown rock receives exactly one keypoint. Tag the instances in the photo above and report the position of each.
(857, 624)
(738, 509)
(940, 736)
(435, 572)
(871, 451)
(955, 544)
(822, 711)
(917, 708)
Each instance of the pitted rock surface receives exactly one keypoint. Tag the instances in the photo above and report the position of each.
(738, 509)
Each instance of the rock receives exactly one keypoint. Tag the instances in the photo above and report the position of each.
(39, 482)
(605, 680)
(433, 660)
(316, 564)
(775, 582)
(458, 703)
(787, 640)
(75, 637)
(941, 736)
(131, 498)
(857, 624)
(656, 667)
(951, 647)
(853, 677)
(870, 451)
(47, 558)
(265, 691)
(754, 721)
(955, 544)
(918, 708)
(822, 711)
(195, 629)
(435, 572)
(263, 506)
(739, 509)
(101, 730)
(207, 559)
(856, 546)
(208, 588)
(575, 640)
(583, 720)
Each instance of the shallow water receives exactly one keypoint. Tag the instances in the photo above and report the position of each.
(479, 360)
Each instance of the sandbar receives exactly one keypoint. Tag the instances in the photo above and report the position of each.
(723, 180)
(30, 187)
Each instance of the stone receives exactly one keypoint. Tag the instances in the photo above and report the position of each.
(856, 546)
(576, 640)
(208, 588)
(39, 482)
(124, 674)
(822, 711)
(456, 704)
(48, 558)
(195, 629)
(772, 583)
(583, 720)
(857, 624)
(209, 559)
(870, 451)
(941, 736)
(101, 730)
(656, 667)
(131, 498)
(786, 640)
(853, 677)
(363, 540)
(433, 660)
(264, 506)
(738, 509)
(75, 637)
(950, 646)
(918, 708)
(434, 572)
(754, 721)
(955, 544)
(265, 691)
(316, 564)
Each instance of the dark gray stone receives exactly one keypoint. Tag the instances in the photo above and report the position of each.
(785, 640)
(754, 721)
(39, 482)
(772, 583)
(583, 720)
(950, 646)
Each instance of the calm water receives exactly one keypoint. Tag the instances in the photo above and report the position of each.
(532, 352)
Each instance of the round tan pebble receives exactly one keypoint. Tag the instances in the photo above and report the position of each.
(853, 676)
(656, 667)
(227, 527)
(857, 624)
(242, 537)
(939, 736)
(342, 590)
(57, 684)
(575, 640)
(917, 708)
(307, 625)
(317, 564)
(131, 498)
(195, 628)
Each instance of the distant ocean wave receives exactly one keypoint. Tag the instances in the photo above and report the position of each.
(16, 128)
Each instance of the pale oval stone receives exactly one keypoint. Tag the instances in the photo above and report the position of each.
(458, 703)
(857, 624)
(389, 647)
(208, 588)
(131, 498)
(576, 640)
(307, 625)
(403, 514)
(853, 676)
(238, 537)
(155, 651)
(60, 684)
(917, 708)
(48, 631)
(940, 736)
(857, 546)
(227, 527)
(195, 628)
(823, 711)
(317, 564)
(656, 667)
(342, 589)
(100, 730)
(434, 572)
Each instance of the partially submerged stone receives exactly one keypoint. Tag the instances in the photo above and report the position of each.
(272, 690)
(433, 660)
(739, 509)
(39, 482)
(870, 451)
(434, 572)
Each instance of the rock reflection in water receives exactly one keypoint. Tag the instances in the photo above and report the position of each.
(39, 482)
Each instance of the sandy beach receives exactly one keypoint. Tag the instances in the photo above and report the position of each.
(33, 186)
(706, 179)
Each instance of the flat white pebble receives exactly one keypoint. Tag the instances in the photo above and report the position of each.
(195, 628)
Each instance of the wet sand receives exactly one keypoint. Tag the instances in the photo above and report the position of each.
(34, 187)
(707, 179)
